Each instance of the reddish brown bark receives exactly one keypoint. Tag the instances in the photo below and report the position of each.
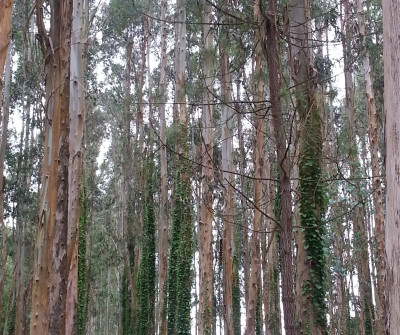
(54, 290)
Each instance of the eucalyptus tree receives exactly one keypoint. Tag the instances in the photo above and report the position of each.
(164, 217)
(258, 156)
(180, 272)
(5, 29)
(3, 145)
(310, 262)
(285, 219)
(54, 291)
(207, 186)
(391, 46)
(377, 194)
(359, 224)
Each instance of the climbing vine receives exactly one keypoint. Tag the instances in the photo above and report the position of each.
(147, 270)
(312, 206)
(180, 265)
(125, 297)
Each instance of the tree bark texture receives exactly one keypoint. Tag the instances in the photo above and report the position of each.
(76, 136)
(163, 230)
(54, 290)
(5, 29)
(286, 230)
(391, 50)
(376, 171)
(360, 231)
(258, 156)
(3, 146)
(227, 169)
(207, 184)
(310, 262)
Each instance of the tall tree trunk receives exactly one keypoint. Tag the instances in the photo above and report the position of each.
(163, 231)
(391, 46)
(54, 290)
(3, 146)
(360, 235)
(285, 219)
(244, 217)
(5, 29)
(310, 274)
(207, 184)
(227, 169)
(126, 195)
(179, 273)
(259, 115)
(77, 116)
(22, 217)
(376, 171)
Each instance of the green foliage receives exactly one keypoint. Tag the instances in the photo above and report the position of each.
(125, 300)
(147, 271)
(180, 264)
(11, 318)
(82, 271)
(312, 207)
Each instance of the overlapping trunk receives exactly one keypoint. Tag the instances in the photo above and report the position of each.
(377, 194)
(359, 224)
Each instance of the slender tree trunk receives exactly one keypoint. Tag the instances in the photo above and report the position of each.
(179, 275)
(227, 169)
(360, 240)
(5, 29)
(391, 46)
(244, 216)
(376, 171)
(163, 231)
(259, 114)
(207, 184)
(310, 274)
(285, 219)
(77, 117)
(3, 146)
(270, 254)
(24, 150)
